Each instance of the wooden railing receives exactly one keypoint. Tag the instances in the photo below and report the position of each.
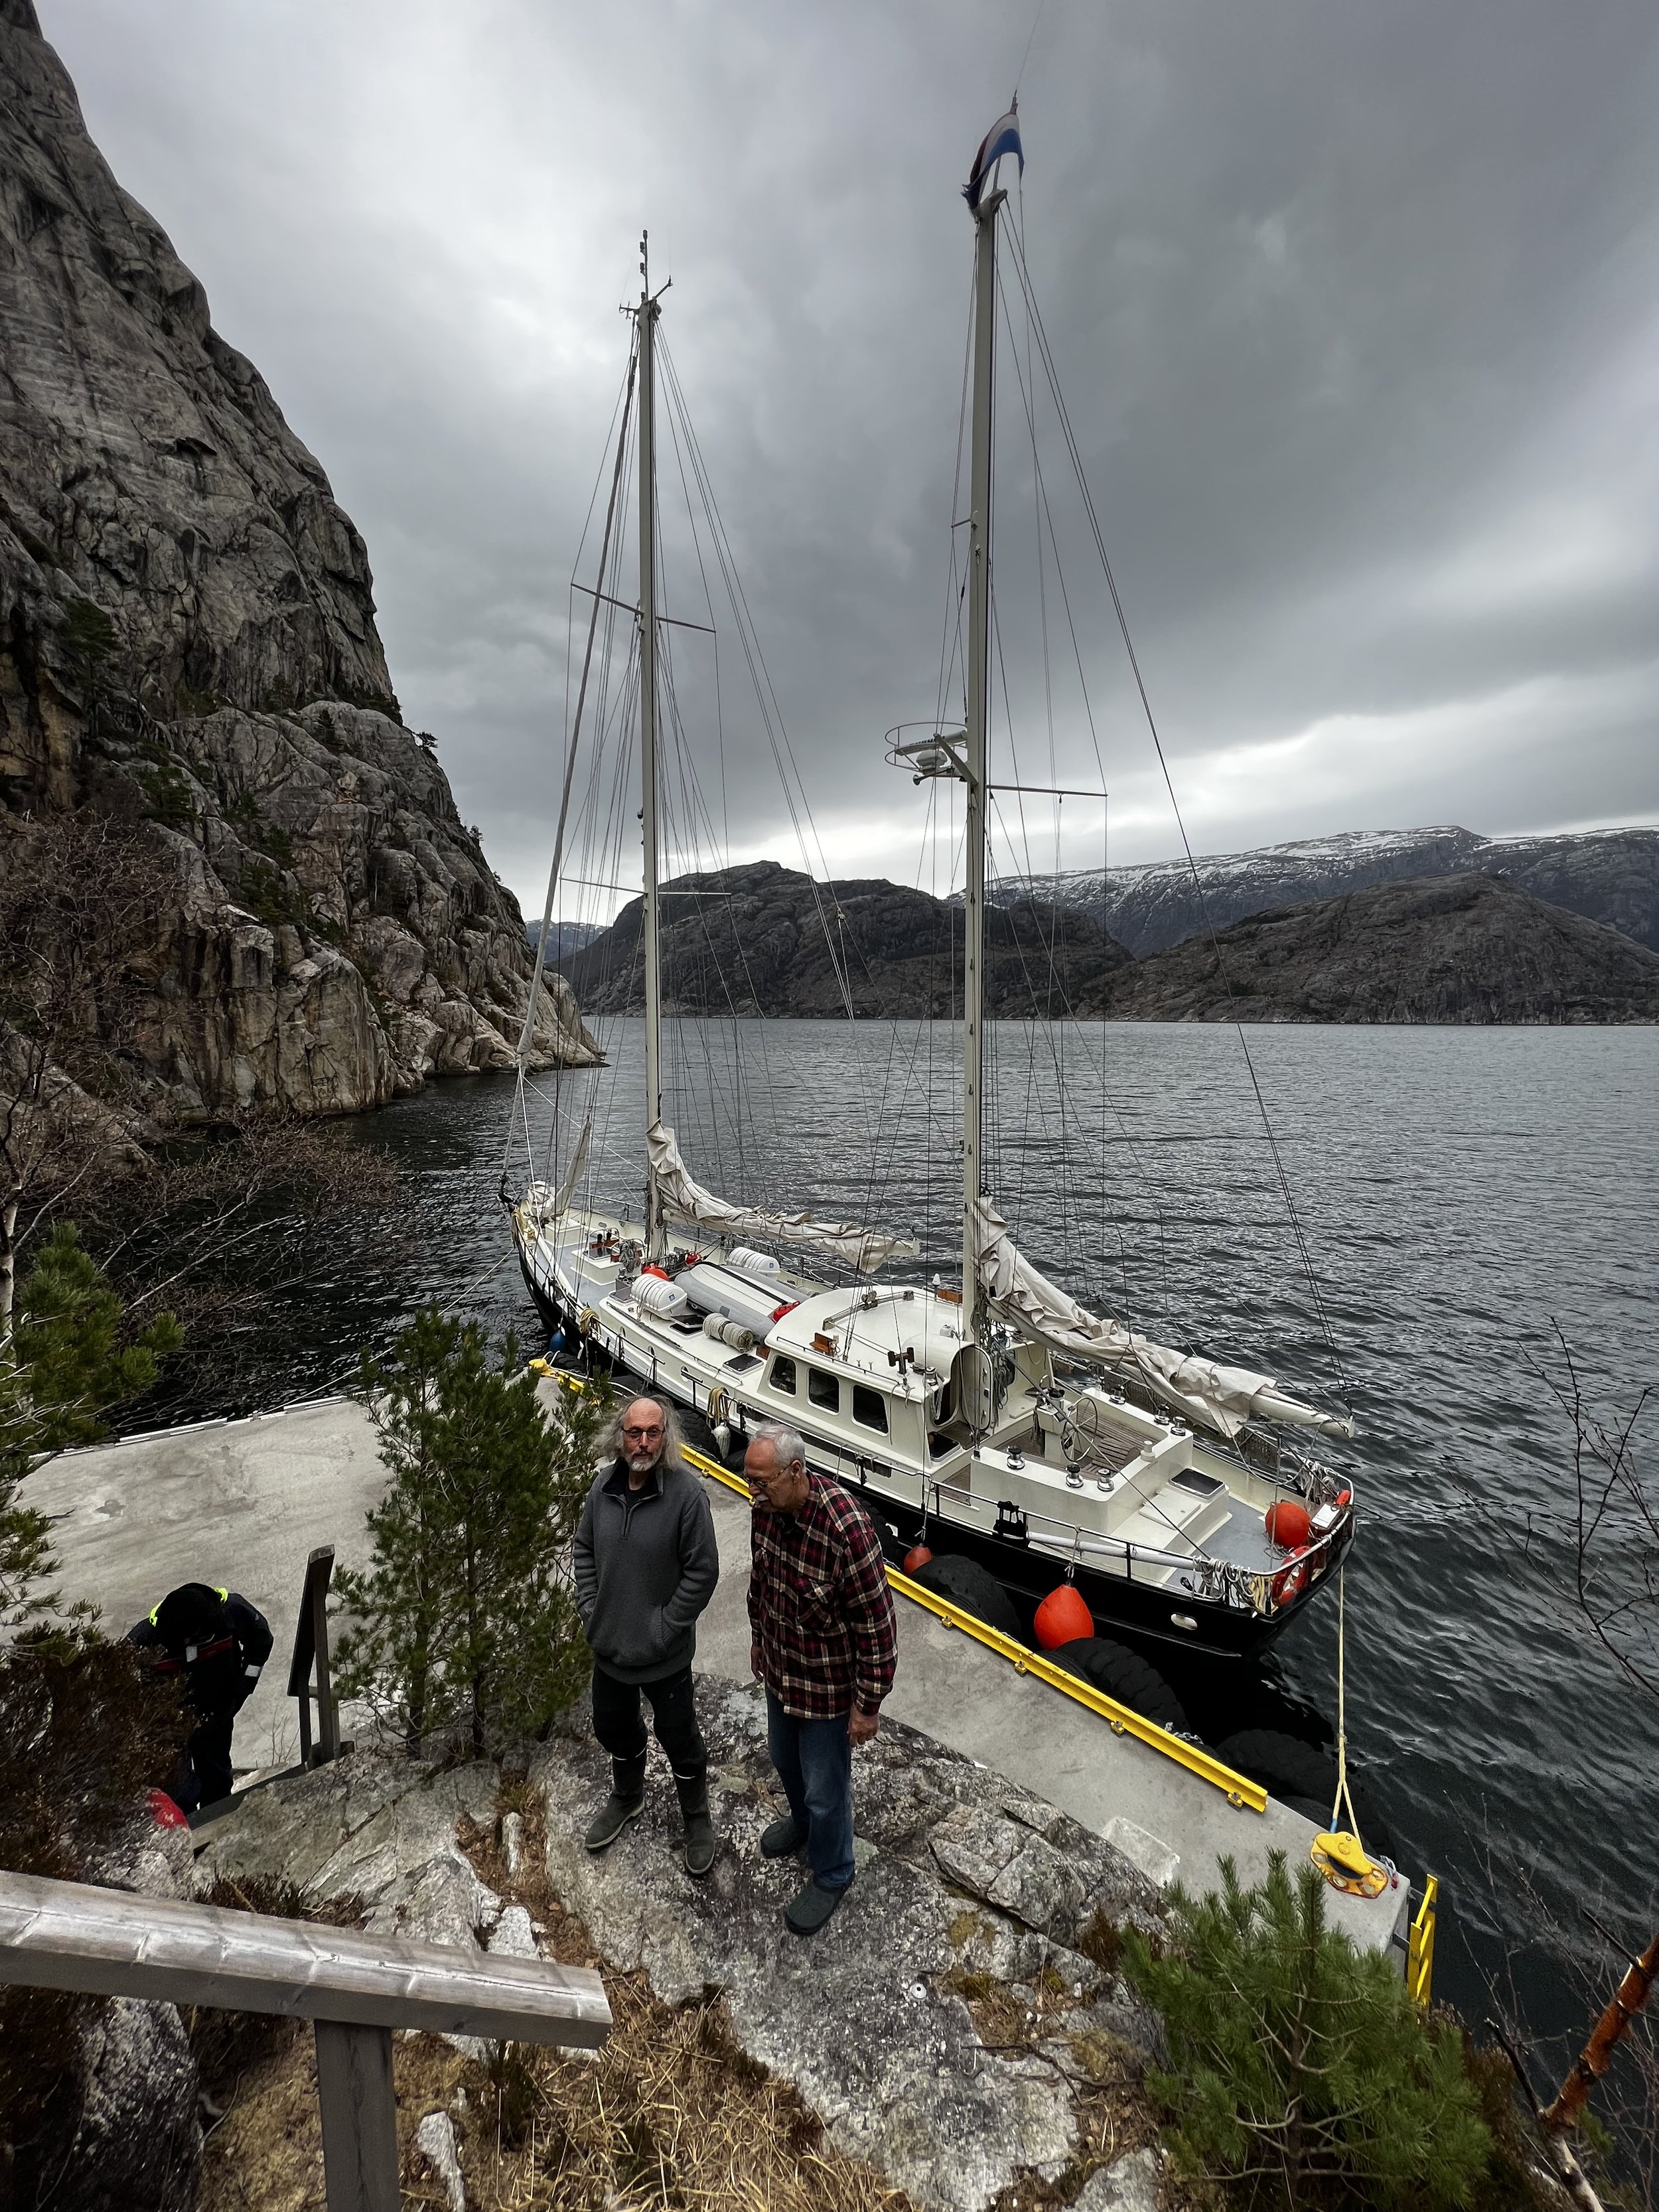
(355, 1989)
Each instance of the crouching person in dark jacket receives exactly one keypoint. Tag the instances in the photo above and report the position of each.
(646, 1565)
(218, 1642)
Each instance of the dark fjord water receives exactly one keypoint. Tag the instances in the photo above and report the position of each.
(1462, 1192)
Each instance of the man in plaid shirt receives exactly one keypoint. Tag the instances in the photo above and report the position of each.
(825, 1644)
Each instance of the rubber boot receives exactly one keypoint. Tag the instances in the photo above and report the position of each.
(700, 1841)
(625, 1803)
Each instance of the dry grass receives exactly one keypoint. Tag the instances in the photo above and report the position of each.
(670, 2114)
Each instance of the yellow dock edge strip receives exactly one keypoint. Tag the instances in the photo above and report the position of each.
(1237, 1788)
(1420, 1966)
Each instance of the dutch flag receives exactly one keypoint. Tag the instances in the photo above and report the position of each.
(1002, 137)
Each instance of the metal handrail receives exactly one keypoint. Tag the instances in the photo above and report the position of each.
(311, 1653)
(355, 1989)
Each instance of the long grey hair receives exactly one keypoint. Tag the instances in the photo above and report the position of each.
(673, 1435)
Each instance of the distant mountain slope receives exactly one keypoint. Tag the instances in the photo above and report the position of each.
(1608, 875)
(1451, 949)
(564, 937)
(753, 940)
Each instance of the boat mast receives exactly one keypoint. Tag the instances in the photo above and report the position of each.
(979, 693)
(654, 1239)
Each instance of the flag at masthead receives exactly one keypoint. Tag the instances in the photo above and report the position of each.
(1002, 137)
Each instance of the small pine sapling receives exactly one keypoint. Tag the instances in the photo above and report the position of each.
(465, 1619)
(68, 1357)
(1300, 2071)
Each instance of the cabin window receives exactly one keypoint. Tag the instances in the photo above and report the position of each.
(938, 1444)
(869, 1408)
(782, 1376)
(823, 1389)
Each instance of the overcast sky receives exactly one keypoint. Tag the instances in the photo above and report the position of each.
(1356, 309)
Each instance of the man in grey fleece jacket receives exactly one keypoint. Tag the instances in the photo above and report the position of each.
(646, 1565)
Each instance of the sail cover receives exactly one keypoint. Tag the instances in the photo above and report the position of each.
(865, 1249)
(1222, 1397)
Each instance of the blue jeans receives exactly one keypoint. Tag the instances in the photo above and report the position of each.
(814, 1760)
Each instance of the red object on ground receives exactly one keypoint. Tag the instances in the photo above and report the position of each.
(917, 1556)
(1062, 1617)
(164, 1811)
(1287, 1523)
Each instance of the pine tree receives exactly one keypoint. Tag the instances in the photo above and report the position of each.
(68, 1358)
(465, 1618)
(1300, 2071)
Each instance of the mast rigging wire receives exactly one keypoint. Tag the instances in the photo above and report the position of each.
(1075, 454)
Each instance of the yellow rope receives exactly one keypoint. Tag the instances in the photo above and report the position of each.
(1342, 1791)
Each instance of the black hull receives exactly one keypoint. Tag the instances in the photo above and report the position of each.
(1120, 1606)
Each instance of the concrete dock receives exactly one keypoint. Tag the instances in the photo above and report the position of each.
(242, 1502)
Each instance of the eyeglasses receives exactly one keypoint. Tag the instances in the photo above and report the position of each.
(655, 1430)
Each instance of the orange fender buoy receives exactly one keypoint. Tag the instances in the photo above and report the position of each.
(1063, 1616)
(1287, 1523)
(917, 1556)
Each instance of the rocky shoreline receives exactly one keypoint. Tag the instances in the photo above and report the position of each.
(946, 2030)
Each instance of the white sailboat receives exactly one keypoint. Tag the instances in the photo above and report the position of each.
(999, 1420)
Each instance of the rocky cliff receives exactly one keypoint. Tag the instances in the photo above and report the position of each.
(1607, 875)
(765, 939)
(187, 632)
(1456, 949)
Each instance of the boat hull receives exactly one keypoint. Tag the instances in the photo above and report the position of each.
(1119, 1604)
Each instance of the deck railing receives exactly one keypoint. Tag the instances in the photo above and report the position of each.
(355, 1989)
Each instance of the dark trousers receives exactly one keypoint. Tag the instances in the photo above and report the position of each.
(814, 1760)
(203, 1775)
(620, 1725)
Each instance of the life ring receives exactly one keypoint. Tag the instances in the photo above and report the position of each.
(1292, 1579)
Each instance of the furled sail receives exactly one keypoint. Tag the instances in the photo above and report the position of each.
(1222, 1397)
(686, 1200)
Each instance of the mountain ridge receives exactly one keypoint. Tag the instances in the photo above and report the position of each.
(1445, 950)
(1606, 875)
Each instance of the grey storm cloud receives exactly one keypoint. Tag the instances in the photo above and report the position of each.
(1354, 307)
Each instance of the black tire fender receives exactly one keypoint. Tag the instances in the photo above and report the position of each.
(1303, 1778)
(974, 1588)
(1122, 1674)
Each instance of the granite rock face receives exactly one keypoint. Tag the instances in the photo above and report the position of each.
(137, 2140)
(966, 1884)
(765, 939)
(867, 2019)
(1449, 948)
(187, 636)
